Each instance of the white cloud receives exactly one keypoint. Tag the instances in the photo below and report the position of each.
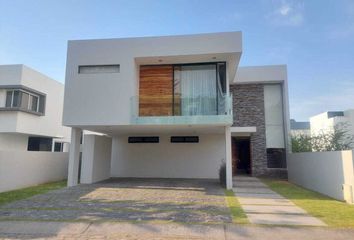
(286, 13)
(284, 10)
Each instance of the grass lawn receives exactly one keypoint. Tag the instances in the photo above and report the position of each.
(7, 197)
(238, 215)
(334, 213)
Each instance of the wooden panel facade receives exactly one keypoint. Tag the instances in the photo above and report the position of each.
(155, 90)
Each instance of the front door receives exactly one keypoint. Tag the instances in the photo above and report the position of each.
(241, 156)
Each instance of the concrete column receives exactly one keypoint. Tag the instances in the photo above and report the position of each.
(96, 158)
(74, 157)
(228, 158)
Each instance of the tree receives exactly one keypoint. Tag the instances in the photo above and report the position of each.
(331, 140)
(301, 143)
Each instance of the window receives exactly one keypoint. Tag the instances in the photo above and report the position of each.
(276, 158)
(274, 121)
(25, 100)
(99, 69)
(143, 139)
(58, 146)
(16, 99)
(39, 144)
(184, 139)
(8, 99)
(195, 90)
(33, 103)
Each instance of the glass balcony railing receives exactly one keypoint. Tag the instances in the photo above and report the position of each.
(165, 110)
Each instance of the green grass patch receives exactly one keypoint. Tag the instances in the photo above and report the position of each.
(15, 195)
(238, 215)
(332, 212)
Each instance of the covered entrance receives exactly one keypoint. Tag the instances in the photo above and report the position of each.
(241, 150)
(241, 156)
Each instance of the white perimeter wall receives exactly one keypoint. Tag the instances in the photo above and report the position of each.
(330, 173)
(168, 160)
(24, 169)
(96, 158)
(13, 142)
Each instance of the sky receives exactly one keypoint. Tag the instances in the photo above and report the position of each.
(315, 38)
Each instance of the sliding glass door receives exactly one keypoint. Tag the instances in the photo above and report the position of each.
(197, 89)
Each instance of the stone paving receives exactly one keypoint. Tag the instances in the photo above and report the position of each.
(185, 201)
(264, 206)
(167, 231)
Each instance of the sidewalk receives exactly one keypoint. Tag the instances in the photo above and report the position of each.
(130, 231)
(264, 206)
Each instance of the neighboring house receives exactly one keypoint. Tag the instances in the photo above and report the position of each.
(31, 111)
(173, 107)
(328, 120)
(300, 128)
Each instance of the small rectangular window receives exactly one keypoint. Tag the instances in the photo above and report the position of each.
(184, 139)
(39, 144)
(33, 105)
(8, 99)
(41, 104)
(143, 139)
(99, 69)
(276, 158)
(58, 147)
(16, 99)
(24, 100)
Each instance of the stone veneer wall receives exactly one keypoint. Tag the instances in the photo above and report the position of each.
(248, 109)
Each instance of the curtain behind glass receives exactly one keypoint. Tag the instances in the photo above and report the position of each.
(198, 90)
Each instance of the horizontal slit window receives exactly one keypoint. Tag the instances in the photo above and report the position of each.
(184, 139)
(143, 139)
(88, 69)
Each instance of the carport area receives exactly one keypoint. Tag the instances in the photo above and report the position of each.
(127, 200)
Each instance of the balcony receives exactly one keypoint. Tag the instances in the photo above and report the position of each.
(181, 111)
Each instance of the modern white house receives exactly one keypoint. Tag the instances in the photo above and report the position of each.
(327, 121)
(31, 108)
(173, 107)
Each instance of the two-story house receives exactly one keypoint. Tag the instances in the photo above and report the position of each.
(31, 108)
(173, 107)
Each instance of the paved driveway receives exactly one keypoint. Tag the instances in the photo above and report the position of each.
(186, 201)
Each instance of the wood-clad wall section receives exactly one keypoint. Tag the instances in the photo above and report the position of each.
(155, 90)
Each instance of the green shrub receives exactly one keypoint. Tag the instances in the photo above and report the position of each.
(222, 174)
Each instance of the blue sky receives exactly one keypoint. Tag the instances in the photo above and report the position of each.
(315, 38)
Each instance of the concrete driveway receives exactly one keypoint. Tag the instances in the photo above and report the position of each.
(181, 201)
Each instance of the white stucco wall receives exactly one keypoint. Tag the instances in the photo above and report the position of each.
(168, 160)
(21, 169)
(328, 173)
(96, 158)
(13, 142)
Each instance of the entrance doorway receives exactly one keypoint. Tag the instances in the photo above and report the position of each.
(241, 156)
